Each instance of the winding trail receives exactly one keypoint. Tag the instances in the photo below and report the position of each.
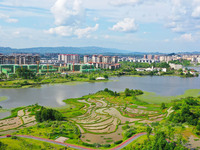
(122, 145)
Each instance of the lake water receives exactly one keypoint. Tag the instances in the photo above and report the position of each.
(52, 95)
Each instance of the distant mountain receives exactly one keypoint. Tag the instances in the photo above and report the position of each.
(80, 50)
(65, 50)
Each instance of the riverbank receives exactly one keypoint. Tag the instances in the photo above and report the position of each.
(22, 83)
(30, 83)
(154, 98)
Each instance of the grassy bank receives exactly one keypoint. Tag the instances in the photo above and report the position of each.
(151, 97)
(29, 144)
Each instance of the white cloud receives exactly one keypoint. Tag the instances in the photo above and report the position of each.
(185, 38)
(71, 31)
(86, 31)
(126, 25)
(196, 12)
(61, 30)
(16, 33)
(8, 18)
(124, 2)
(166, 40)
(106, 36)
(96, 18)
(45, 4)
(184, 16)
(69, 15)
(68, 12)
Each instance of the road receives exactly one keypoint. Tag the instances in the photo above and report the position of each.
(122, 145)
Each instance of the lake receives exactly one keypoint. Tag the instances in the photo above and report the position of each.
(52, 95)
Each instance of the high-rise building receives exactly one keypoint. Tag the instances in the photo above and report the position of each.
(100, 58)
(145, 56)
(69, 58)
(94, 58)
(114, 59)
(107, 59)
(156, 57)
(86, 59)
(149, 57)
(20, 59)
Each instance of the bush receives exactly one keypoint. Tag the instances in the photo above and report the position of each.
(14, 137)
(129, 133)
(118, 142)
(106, 145)
(125, 127)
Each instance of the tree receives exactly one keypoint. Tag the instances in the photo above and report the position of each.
(25, 73)
(105, 76)
(3, 146)
(3, 76)
(198, 126)
(127, 92)
(163, 106)
(149, 131)
(48, 114)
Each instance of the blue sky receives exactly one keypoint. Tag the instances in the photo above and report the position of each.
(135, 25)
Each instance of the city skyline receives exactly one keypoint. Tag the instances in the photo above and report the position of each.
(134, 25)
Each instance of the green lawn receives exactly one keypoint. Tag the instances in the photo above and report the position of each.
(153, 98)
(29, 144)
(52, 130)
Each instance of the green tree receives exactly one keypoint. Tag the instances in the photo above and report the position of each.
(149, 131)
(163, 106)
(3, 146)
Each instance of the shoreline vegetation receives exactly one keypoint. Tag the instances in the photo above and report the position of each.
(27, 79)
(107, 118)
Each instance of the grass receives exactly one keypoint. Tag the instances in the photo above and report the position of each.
(153, 98)
(29, 144)
(27, 83)
(52, 130)
(73, 108)
(137, 141)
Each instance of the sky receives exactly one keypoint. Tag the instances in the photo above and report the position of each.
(134, 25)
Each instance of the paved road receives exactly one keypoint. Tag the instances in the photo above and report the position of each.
(122, 145)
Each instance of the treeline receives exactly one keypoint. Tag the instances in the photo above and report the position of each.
(187, 111)
(25, 73)
(48, 114)
(110, 92)
(132, 92)
(143, 65)
(181, 62)
(127, 92)
(159, 142)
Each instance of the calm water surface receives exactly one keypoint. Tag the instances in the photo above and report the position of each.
(52, 95)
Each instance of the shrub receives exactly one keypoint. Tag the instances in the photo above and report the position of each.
(14, 137)
(125, 127)
(118, 142)
(106, 145)
(129, 133)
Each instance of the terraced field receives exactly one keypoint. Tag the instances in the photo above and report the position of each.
(102, 123)
(23, 119)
